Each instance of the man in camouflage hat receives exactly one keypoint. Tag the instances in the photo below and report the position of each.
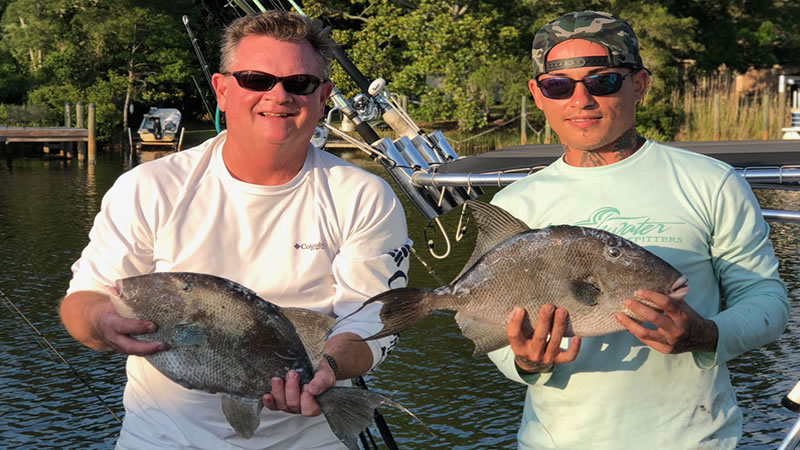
(662, 383)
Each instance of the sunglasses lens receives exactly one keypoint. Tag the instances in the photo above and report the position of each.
(301, 84)
(256, 81)
(262, 82)
(557, 87)
(603, 84)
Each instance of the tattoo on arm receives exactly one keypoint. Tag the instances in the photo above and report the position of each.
(702, 337)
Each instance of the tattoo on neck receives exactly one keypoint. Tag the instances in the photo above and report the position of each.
(592, 159)
(627, 144)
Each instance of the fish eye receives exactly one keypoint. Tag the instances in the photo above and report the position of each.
(614, 252)
(187, 286)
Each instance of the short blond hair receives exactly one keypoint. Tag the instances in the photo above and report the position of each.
(283, 26)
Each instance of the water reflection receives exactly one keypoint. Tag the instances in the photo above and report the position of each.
(46, 211)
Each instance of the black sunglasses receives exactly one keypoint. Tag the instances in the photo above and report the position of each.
(560, 88)
(261, 82)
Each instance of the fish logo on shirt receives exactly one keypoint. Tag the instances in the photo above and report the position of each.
(639, 229)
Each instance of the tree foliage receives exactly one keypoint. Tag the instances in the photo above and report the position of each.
(459, 60)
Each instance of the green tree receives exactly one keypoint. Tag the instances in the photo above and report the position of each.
(137, 40)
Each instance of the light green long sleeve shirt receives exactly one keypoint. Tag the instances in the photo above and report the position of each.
(700, 216)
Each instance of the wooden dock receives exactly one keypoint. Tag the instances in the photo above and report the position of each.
(44, 134)
(62, 138)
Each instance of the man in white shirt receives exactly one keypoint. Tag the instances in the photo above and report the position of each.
(259, 205)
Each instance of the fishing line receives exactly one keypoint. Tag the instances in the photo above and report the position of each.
(77, 375)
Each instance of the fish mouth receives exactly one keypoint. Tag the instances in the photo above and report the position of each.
(679, 288)
(116, 290)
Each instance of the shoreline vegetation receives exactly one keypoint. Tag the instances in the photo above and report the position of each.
(753, 115)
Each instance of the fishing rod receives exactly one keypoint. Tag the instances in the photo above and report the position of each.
(206, 73)
(792, 402)
(38, 334)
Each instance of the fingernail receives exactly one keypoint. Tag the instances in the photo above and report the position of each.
(549, 309)
(276, 380)
(627, 303)
(151, 328)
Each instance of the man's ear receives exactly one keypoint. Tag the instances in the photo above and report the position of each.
(220, 83)
(324, 90)
(537, 94)
(641, 82)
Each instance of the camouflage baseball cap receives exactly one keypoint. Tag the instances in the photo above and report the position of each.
(602, 28)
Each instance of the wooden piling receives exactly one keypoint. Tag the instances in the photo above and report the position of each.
(79, 122)
(765, 118)
(715, 112)
(523, 135)
(781, 110)
(92, 145)
(67, 150)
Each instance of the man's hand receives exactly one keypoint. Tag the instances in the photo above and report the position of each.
(92, 320)
(288, 396)
(538, 353)
(680, 328)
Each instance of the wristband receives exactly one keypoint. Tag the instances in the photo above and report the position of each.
(536, 367)
(332, 363)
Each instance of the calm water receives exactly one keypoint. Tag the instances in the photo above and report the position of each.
(46, 211)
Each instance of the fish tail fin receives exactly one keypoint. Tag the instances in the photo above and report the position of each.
(401, 309)
(349, 411)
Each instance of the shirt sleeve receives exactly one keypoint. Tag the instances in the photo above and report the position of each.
(373, 258)
(120, 241)
(756, 306)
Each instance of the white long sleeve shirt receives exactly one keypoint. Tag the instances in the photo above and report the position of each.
(327, 240)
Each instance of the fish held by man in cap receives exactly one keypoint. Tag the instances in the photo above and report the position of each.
(587, 271)
(222, 338)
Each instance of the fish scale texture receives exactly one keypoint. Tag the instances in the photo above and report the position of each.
(588, 272)
(221, 337)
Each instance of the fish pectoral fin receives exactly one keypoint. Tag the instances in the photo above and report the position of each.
(189, 334)
(585, 292)
(242, 414)
(487, 336)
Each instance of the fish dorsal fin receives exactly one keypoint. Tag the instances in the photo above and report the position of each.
(312, 327)
(494, 225)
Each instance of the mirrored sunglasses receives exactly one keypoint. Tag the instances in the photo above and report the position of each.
(253, 80)
(560, 88)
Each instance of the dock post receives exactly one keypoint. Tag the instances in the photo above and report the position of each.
(523, 117)
(715, 113)
(68, 124)
(92, 141)
(765, 119)
(79, 123)
(547, 138)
